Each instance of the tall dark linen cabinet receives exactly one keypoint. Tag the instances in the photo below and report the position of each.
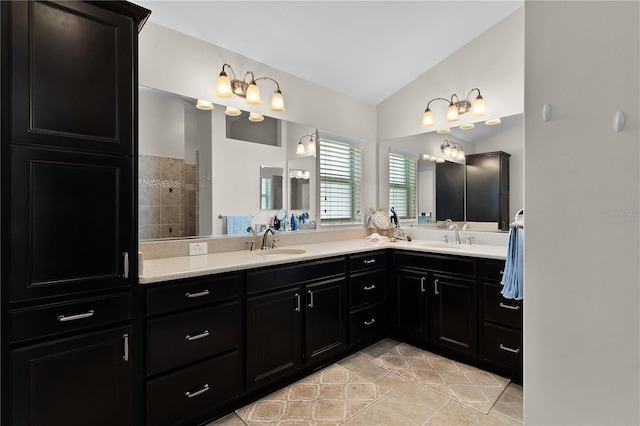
(69, 213)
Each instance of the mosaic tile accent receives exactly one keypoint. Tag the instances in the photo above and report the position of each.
(189, 187)
(163, 183)
(468, 385)
(328, 397)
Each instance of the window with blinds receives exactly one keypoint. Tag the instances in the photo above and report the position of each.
(402, 185)
(340, 181)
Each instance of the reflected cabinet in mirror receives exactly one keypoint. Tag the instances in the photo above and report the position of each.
(196, 167)
(485, 188)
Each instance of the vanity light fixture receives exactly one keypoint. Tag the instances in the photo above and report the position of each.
(311, 145)
(452, 150)
(456, 108)
(247, 89)
(432, 158)
(204, 105)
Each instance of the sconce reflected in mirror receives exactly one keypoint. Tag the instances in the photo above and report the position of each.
(311, 145)
(452, 150)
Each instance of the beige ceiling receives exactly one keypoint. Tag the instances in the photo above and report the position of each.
(365, 49)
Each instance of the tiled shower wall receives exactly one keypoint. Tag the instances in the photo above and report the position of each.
(167, 197)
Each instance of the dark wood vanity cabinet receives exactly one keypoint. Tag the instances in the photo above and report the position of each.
(295, 318)
(69, 235)
(501, 330)
(488, 188)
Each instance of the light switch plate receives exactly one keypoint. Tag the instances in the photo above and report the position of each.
(197, 248)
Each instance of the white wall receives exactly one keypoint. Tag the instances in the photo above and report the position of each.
(492, 62)
(177, 63)
(582, 186)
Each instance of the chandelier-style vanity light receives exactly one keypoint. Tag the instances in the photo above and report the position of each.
(456, 108)
(311, 145)
(247, 89)
(452, 150)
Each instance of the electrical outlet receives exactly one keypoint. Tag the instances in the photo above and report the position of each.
(197, 248)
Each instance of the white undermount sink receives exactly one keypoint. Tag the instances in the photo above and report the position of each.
(437, 244)
(280, 252)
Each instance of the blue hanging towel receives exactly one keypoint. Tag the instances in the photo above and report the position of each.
(237, 225)
(512, 279)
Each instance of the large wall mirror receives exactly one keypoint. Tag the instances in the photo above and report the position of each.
(444, 182)
(193, 173)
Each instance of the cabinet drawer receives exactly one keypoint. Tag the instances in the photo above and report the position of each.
(503, 346)
(377, 259)
(367, 323)
(493, 270)
(192, 293)
(368, 287)
(498, 309)
(283, 276)
(448, 264)
(47, 320)
(179, 339)
(191, 393)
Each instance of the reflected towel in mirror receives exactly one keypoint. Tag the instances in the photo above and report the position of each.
(237, 225)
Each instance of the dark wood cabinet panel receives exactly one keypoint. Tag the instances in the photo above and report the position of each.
(503, 347)
(410, 305)
(453, 313)
(325, 316)
(75, 381)
(367, 323)
(273, 336)
(449, 191)
(72, 76)
(71, 223)
(367, 287)
(488, 188)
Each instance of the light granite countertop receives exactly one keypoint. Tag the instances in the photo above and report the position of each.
(173, 268)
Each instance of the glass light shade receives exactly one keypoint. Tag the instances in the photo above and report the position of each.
(467, 126)
(452, 113)
(223, 87)
(439, 160)
(204, 105)
(461, 155)
(277, 102)
(441, 131)
(427, 119)
(300, 149)
(493, 122)
(478, 109)
(253, 95)
(254, 116)
(311, 146)
(231, 111)
(447, 150)
(454, 152)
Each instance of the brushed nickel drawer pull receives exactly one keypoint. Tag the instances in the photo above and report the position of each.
(515, 308)
(64, 318)
(371, 287)
(198, 392)
(435, 287)
(297, 302)
(373, 320)
(125, 338)
(310, 298)
(197, 336)
(368, 261)
(504, 348)
(199, 294)
(422, 288)
(125, 255)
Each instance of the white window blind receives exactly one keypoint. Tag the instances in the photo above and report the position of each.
(265, 194)
(340, 181)
(402, 185)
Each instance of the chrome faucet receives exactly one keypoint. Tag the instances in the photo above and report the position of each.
(456, 235)
(444, 224)
(265, 246)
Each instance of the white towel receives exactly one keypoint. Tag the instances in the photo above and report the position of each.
(237, 225)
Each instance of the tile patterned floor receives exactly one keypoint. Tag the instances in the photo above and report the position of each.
(404, 402)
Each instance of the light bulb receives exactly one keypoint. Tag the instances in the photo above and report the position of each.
(454, 152)
(277, 102)
(253, 94)
(231, 111)
(427, 118)
(311, 146)
(461, 155)
(204, 105)
(478, 109)
(452, 113)
(300, 149)
(255, 117)
(447, 150)
(223, 86)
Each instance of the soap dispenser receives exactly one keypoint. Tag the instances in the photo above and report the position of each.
(293, 222)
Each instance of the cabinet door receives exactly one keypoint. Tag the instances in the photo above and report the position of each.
(274, 336)
(410, 305)
(453, 313)
(76, 381)
(325, 320)
(71, 76)
(71, 223)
